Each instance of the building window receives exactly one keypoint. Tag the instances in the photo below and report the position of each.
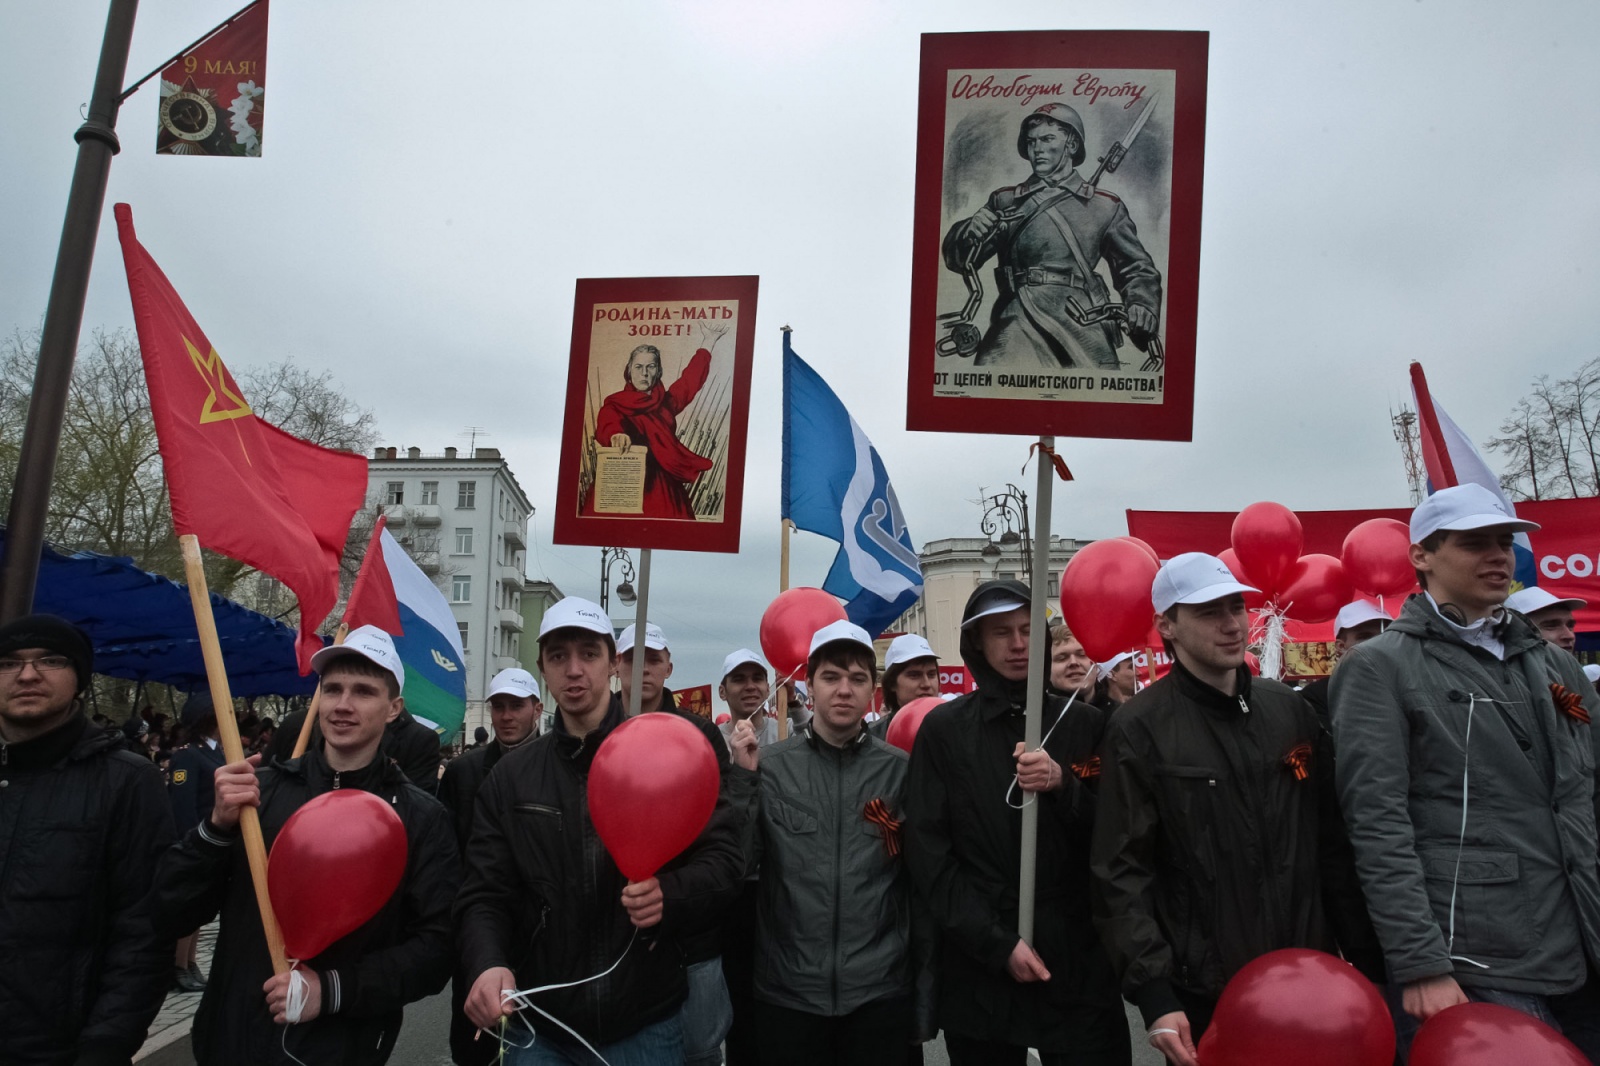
(464, 540)
(1055, 586)
(466, 495)
(463, 627)
(461, 588)
(394, 493)
(430, 492)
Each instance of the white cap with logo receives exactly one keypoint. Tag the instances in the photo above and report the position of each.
(1194, 577)
(653, 638)
(1358, 613)
(1533, 598)
(737, 659)
(514, 681)
(1114, 662)
(1464, 507)
(368, 642)
(573, 613)
(905, 648)
(840, 630)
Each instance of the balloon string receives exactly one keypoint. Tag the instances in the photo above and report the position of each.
(766, 704)
(294, 1007)
(1016, 778)
(520, 999)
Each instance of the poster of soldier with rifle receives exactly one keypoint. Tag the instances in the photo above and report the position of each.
(657, 403)
(1057, 232)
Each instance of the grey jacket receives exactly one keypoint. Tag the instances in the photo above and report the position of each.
(1416, 712)
(834, 911)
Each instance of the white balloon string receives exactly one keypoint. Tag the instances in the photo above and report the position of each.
(294, 1008)
(1272, 635)
(1017, 778)
(519, 997)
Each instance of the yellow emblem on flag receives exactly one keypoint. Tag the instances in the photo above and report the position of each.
(211, 368)
(179, 776)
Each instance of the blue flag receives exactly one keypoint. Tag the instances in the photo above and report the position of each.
(834, 485)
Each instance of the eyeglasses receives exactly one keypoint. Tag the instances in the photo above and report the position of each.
(44, 664)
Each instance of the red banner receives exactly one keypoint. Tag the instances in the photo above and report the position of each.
(955, 680)
(1566, 547)
(212, 96)
(695, 700)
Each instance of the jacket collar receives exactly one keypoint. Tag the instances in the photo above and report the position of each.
(1419, 619)
(580, 750)
(851, 746)
(1211, 698)
(313, 768)
(76, 738)
(1073, 183)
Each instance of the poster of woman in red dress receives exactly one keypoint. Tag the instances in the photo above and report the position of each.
(652, 451)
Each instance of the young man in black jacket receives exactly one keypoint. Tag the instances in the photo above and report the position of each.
(1217, 837)
(998, 994)
(543, 904)
(82, 824)
(515, 709)
(357, 987)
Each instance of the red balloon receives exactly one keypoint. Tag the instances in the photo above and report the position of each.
(1267, 540)
(908, 719)
(1315, 588)
(789, 623)
(1144, 547)
(1302, 1007)
(1377, 556)
(334, 864)
(1252, 600)
(1105, 597)
(1487, 1034)
(652, 788)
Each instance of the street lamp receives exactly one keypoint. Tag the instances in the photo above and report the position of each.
(1006, 514)
(625, 589)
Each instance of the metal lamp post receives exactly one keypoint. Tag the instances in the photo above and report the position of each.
(625, 592)
(1006, 513)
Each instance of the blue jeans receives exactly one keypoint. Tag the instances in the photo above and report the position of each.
(660, 1044)
(706, 1016)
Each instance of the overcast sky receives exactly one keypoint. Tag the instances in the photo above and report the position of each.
(1384, 181)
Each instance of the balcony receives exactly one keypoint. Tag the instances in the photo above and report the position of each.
(427, 514)
(395, 513)
(516, 533)
(511, 620)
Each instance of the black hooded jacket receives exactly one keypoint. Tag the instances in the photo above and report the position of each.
(543, 898)
(399, 956)
(963, 847)
(82, 824)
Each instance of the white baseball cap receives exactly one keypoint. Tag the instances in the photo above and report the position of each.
(514, 681)
(905, 648)
(370, 643)
(994, 601)
(1359, 612)
(1194, 577)
(1467, 506)
(1533, 598)
(653, 638)
(573, 613)
(1114, 662)
(840, 630)
(737, 659)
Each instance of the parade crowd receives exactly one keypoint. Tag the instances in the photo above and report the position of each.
(1429, 814)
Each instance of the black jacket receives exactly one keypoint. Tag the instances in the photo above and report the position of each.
(544, 899)
(82, 824)
(407, 741)
(1218, 840)
(401, 955)
(192, 789)
(963, 847)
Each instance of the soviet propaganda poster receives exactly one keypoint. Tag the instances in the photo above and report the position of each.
(1056, 249)
(658, 388)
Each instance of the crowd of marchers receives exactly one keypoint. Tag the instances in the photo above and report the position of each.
(1429, 815)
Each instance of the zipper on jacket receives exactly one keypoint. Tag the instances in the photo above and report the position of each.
(336, 779)
(1244, 705)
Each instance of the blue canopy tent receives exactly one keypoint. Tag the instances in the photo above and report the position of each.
(143, 627)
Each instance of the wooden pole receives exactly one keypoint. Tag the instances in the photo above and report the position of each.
(255, 846)
(1038, 669)
(783, 586)
(303, 741)
(639, 650)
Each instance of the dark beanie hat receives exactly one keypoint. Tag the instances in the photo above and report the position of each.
(52, 634)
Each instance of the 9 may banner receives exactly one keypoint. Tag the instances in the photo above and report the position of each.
(212, 96)
(1056, 250)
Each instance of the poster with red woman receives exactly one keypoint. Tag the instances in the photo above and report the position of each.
(658, 397)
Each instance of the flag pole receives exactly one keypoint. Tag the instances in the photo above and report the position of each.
(640, 651)
(1038, 668)
(255, 846)
(303, 741)
(783, 586)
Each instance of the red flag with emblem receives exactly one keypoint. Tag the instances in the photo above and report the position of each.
(240, 485)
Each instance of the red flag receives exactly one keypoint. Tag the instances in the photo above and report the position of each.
(240, 485)
(372, 600)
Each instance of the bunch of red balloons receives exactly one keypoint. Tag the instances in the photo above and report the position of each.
(1266, 543)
